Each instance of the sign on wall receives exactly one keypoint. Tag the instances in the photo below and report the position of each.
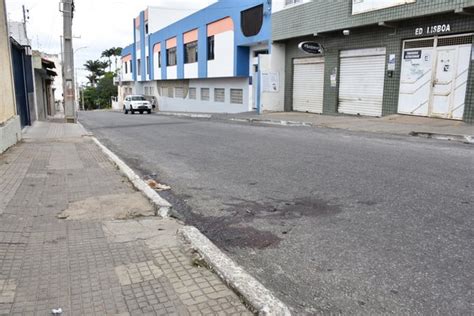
(433, 29)
(312, 48)
(270, 81)
(392, 62)
(362, 6)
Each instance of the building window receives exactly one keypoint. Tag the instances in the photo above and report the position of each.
(131, 67)
(236, 96)
(170, 92)
(252, 20)
(147, 65)
(171, 56)
(205, 92)
(210, 48)
(146, 28)
(139, 66)
(126, 67)
(179, 92)
(159, 59)
(219, 95)
(191, 52)
(152, 90)
(192, 93)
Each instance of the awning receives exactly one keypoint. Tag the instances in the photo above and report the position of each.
(48, 63)
(51, 73)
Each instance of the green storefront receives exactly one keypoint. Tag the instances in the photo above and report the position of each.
(412, 58)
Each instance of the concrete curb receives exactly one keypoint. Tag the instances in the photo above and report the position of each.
(163, 207)
(277, 122)
(192, 115)
(253, 292)
(467, 139)
(236, 119)
(459, 138)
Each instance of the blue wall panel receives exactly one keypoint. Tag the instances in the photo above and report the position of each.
(142, 46)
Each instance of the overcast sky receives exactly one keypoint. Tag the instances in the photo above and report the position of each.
(100, 23)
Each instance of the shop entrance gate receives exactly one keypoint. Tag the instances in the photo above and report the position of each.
(434, 76)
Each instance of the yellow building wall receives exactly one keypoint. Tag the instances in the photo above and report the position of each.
(7, 96)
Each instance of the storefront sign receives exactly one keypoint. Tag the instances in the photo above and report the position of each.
(362, 6)
(413, 54)
(434, 29)
(312, 48)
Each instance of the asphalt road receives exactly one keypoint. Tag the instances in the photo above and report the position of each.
(331, 221)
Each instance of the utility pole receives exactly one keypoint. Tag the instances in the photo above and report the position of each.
(26, 17)
(68, 62)
(82, 98)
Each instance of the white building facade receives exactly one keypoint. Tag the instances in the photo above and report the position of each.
(207, 61)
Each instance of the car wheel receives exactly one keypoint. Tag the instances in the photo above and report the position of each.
(132, 110)
(141, 112)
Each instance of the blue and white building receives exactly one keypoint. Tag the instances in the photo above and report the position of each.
(202, 61)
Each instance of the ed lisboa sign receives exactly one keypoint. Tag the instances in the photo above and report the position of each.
(434, 29)
(362, 6)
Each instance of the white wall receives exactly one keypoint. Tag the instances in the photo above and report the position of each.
(363, 6)
(187, 105)
(126, 76)
(10, 133)
(156, 69)
(171, 72)
(160, 17)
(138, 56)
(275, 63)
(253, 62)
(191, 71)
(223, 64)
(279, 5)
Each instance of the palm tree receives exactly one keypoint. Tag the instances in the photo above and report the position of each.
(108, 53)
(117, 53)
(97, 70)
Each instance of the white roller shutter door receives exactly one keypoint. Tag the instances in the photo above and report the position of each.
(362, 81)
(308, 85)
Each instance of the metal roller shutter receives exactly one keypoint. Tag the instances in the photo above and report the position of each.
(308, 85)
(362, 81)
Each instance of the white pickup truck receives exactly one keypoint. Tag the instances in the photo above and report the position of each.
(136, 103)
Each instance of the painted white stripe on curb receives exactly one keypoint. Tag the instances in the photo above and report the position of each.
(192, 115)
(253, 292)
(161, 204)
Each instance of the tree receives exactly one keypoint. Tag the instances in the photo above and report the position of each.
(108, 53)
(112, 52)
(100, 97)
(96, 69)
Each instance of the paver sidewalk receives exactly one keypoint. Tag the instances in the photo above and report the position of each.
(94, 264)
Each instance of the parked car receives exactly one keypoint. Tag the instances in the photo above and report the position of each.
(136, 103)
